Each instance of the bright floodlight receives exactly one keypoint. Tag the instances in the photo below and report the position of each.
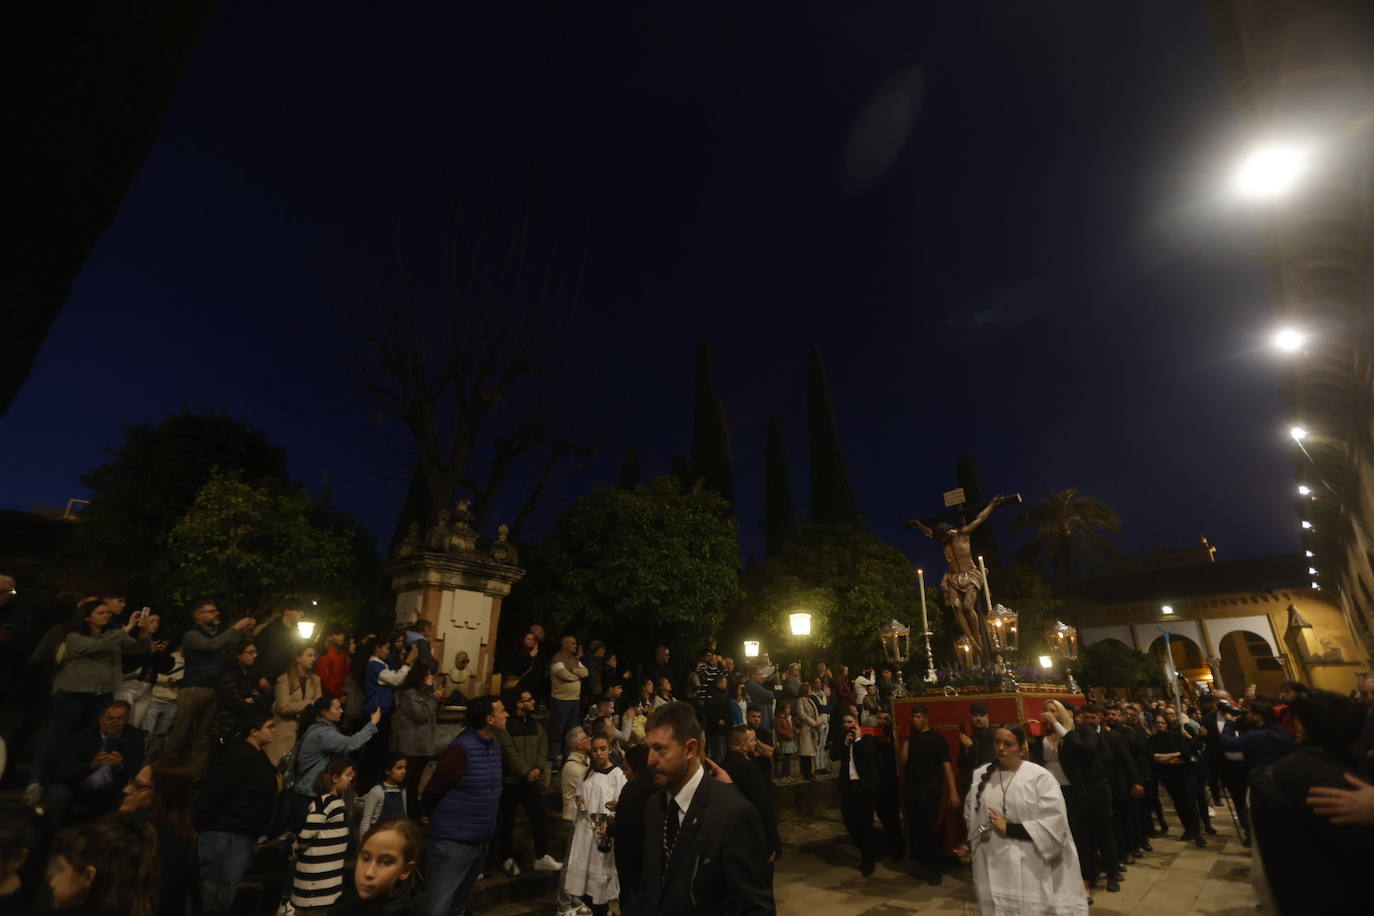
(1304, 490)
(1298, 433)
(1270, 171)
(1316, 587)
(1306, 523)
(751, 648)
(306, 628)
(1046, 662)
(1168, 609)
(1309, 553)
(1289, 340)
(801, 623)
(1311, 570)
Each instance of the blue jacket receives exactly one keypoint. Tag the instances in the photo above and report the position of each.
(467, 811)
(375, 693)
(205, 651)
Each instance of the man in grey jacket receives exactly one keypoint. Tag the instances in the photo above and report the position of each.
(524, 748)
(205, 647)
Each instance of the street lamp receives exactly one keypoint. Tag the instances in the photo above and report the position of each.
(751, 648)
(1168, 609)
(1270, 171)
(306, 629)
(1298, 433)
(1304, 490)
(801, 623)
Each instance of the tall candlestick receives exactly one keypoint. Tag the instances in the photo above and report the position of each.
(921, 578)
(987, 592)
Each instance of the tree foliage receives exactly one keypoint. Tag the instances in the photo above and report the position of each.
(149, 483)
(245, 543)
(1111, 663)
(1068, 534)
(851, 582)
(832, 498)
(635, 566)
(779, 514)
(710, 461)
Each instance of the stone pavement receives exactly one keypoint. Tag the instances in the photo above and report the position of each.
(819, 876)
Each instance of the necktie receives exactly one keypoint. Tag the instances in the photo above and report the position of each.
(670, 829)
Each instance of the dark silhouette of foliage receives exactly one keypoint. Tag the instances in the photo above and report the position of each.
(1068, 535)
(710, 461)
(832, 498)
(629, 469)
(1111, 663)
(779, 515)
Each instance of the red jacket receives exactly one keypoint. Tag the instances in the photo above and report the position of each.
(333, 670)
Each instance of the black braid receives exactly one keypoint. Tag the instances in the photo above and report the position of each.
(983, 783)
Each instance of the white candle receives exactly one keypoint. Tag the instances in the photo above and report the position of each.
(987, 592)
(921, 578)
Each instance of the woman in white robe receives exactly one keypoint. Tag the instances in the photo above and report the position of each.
(591, 874)
(1023, 856)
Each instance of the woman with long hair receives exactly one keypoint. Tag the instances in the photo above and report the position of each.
(90, 668)
(296, 691)
(415, 728)
(162, 792)
(1059, 752)
(1023, 856)
(107, 868)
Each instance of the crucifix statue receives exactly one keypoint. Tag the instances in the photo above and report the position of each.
(963, 580)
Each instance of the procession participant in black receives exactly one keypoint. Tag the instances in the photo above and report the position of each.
(1100, 853)
(857, 758)
(887, 801)
(928, 785)
(750, 781)
(705, 847)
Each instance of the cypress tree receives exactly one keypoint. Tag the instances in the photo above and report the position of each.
(832, 498)
(779, 516)
(629, 469)
(681, 470)
(710, 437)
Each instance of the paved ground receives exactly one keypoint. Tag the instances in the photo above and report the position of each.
(819, 876)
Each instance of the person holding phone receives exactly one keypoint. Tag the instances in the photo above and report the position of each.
(857, 756)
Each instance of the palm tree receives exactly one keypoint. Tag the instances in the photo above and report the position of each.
(1068, 534)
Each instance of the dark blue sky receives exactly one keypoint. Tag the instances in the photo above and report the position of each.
(1005, 227)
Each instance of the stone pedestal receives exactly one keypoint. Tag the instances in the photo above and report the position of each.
(459, 590)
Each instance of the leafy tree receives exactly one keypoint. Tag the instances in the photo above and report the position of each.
(1068, 534)
(150, 482)
(629, 469)
(852, 583)
(832, 498)
(779, 516)
(635, 566)
(245, 543)
(1111, 663)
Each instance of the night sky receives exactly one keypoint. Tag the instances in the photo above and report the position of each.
(1005, 224)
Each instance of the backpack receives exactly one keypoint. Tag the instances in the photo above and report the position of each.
(286, 767)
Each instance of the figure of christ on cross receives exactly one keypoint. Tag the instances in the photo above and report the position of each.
(963, 582)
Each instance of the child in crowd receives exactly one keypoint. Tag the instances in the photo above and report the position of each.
(21, 872)
(383, 877)
(322, 844)
(386, 800)
(107, 868)
(786, 731)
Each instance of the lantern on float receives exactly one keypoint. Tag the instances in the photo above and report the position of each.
(896, 640)
(1065, 639)
(1002, 629)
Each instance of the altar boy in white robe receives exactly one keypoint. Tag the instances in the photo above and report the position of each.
(1024, 860)
(590, 872)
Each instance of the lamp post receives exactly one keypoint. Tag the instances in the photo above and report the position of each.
(751, 648)
(306, 629)
(800, 621)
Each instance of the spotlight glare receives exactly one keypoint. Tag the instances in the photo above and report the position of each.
(1306, 524)
(1309, 553)
(1311, 570)
(1298, 433)
(1270, 171)
(1168, 609)
(1288, 340)
(1304, 490)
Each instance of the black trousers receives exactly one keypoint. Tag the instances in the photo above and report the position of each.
(856, 808)
(1179, 781)
(1123, 819)
(889, 810)
(1236, 777)
(527, 795)
(1101, 847)
(922, 825)
(1076, 805)
(1144, 809)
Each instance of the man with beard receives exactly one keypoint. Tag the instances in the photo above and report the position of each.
(1125, 810)
(749, 780)
(706, 851)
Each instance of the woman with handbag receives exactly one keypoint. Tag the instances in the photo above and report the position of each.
(296, 691)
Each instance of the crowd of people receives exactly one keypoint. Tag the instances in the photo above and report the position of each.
(163, 771)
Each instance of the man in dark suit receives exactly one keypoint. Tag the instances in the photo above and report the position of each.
(705, 850)
(96, 765)
(631, 813)
(750, 782)
(856, 757)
